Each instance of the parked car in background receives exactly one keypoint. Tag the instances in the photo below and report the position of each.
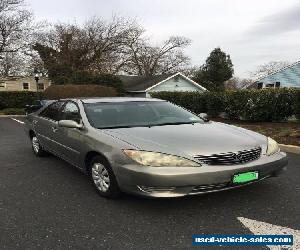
(37, 105)
(151, 147)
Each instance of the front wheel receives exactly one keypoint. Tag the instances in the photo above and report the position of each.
(103, 178)
(36, 147)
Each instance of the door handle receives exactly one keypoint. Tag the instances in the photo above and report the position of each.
(54, 129)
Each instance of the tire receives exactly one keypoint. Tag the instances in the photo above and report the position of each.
(36, 147)
(103, 178)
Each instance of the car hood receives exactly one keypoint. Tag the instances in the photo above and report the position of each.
(190, 139)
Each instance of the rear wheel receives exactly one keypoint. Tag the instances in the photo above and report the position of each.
(103, 178)
(36, 147)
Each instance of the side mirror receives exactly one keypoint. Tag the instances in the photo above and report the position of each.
(204, 117)
(69, 124)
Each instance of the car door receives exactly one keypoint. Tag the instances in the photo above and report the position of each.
(70, 139)
(45, 125)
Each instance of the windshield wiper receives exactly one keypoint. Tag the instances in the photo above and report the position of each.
(124, 126)
(148, 125)
(172, 123)
(112, 127)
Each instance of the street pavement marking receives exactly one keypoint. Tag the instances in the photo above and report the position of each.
(17, 120)
(258, 227)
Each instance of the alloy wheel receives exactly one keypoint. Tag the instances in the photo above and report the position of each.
(35, 144)
(100, 177)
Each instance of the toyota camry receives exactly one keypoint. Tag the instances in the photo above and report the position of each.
(151, 147)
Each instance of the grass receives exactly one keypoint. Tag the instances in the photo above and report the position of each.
(12, 111)
(282, 132)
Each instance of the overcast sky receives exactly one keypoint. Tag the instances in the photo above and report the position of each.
(251, 31)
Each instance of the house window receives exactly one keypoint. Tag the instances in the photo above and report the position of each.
(25, 86)
(41, 86)
(260, 85)
(270, 85)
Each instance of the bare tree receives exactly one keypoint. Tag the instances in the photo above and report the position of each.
(190, 70)
(16, 26)
(108, 47)
(21, 64)
(268, 68)
(145, 59)
(17, 33)
(107, 41)
(238, 83)
(11, 64)
(9, 5)
(97, 46)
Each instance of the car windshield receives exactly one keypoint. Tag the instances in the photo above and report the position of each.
(137, 114)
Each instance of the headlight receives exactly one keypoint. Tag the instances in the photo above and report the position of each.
(158, 159)
(272, 146)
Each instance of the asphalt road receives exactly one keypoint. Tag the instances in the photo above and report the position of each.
(47, 204)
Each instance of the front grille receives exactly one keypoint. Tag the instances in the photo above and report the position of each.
(223, 186)
(231, 157)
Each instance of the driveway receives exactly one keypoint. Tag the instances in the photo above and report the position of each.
(47, 204)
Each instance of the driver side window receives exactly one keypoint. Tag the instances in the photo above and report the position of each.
(71, 112)
(52, 111)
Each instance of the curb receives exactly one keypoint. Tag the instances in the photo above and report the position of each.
(290, 148)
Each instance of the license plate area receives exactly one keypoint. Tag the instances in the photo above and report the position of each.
(245, 177)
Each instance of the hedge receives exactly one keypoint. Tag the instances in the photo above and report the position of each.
(16, 99)
(296, 105)
(251, 105)
(69, 91)
(83, 78)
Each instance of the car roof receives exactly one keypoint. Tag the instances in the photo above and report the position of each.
(115, 99)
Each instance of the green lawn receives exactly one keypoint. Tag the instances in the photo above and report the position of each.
(282, 132)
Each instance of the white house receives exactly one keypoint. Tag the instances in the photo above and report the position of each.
(23, 83)
(141, 86)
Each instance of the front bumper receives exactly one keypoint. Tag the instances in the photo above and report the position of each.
(181, 181)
